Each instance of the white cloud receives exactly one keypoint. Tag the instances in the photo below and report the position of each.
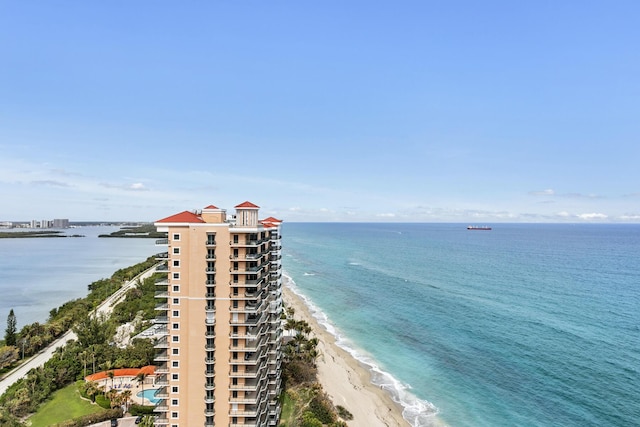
(386, 215)
(592, 216)
(547, 192)
(630, 217)
(138, 186)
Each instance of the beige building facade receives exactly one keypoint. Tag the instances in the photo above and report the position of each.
(219, 362)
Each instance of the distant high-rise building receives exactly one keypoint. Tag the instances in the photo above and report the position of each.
(61, 223)
(219, 359)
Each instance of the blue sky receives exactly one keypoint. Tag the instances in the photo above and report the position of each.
(461, 111)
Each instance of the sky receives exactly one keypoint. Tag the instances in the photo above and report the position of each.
(407, 111)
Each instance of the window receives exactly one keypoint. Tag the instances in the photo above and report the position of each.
(174, 415)
(176, 313)
(176, 251)
(174, 401)
(176, 236)
(174, 389)
(174, 376)
(175, 364)
(176, 288)
(176, 300)
(176, 263)
(176, 276)
(175, 351)
(175, 326)
(175, 338)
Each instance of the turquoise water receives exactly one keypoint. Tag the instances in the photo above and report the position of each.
(524, 325)
(149, 394)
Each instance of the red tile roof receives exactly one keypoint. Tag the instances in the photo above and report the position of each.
(185, 216)
(247, 205)
(126, 372)
(272, 219)
(212, 207)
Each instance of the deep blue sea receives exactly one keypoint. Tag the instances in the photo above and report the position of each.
(524, 325)
(38, 274)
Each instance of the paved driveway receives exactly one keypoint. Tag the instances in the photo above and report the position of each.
(122, 422)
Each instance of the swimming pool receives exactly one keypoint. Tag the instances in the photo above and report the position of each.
(149, 394)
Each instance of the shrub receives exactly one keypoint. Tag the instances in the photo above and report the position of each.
(136, 410)
(322, 408)
(309, 420)
(102, 400)
(344, 413)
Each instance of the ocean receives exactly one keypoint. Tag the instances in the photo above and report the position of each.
(523, 325)
(39, 274)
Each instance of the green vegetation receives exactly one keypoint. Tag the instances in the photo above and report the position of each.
(10, 333)
(92, 351)
(65, 403)
(42, 233)
(305, 404)
(145, 230)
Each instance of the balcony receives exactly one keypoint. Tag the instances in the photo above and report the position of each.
(161, 294)
(162, 381)
(161, 357)
(210, 242)
(162, 256)
(162, 319)
(162, 282)
(162, 307)
(161, 343)
(249, 321)
(162, 268)
(161, 242)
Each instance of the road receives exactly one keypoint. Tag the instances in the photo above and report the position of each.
(41, 358)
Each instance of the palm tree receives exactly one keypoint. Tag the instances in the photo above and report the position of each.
(110, 374)
(112, 395)
(126, 396)
(84, 356)
(91, 389)
(140, 378)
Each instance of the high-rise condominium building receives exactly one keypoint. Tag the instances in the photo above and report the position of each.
(219, 360)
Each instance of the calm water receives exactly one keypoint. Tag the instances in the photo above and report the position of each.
(525, 325)
(38, 274)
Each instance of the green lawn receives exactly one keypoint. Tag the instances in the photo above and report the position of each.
(65, 404)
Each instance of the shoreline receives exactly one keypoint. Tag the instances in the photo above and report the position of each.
(346, 380)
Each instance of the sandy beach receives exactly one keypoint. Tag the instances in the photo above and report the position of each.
(345, 379)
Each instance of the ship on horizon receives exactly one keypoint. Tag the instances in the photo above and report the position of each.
(476, 227)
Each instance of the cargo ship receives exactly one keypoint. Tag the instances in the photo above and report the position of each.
(475, 227)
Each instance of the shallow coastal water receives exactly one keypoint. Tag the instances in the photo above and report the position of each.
(529, 325)
(39, 274)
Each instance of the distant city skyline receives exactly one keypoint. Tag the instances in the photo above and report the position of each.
(467, 112)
